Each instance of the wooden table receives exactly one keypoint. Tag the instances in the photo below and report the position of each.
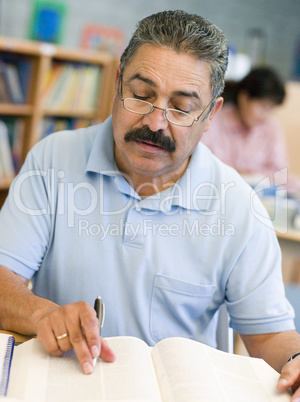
(18, 337)
(289, 243)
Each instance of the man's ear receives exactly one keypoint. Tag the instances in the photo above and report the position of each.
(117, 75)
(218, 104)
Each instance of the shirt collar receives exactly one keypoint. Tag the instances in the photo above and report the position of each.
(196, 188)
(101, 159)
(193, 191)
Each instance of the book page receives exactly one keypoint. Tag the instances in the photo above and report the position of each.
(60, 379)
(132, 376)
(28, 376)
(189, 371)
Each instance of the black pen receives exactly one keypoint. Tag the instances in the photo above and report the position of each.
(100, 311)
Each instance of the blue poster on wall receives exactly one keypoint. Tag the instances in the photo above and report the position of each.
(47, 21)
(296, 72)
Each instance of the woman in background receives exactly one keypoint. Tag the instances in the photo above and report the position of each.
(245, 133)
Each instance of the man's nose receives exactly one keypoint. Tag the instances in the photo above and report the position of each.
(156, 120)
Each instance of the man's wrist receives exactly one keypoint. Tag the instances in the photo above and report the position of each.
(46, 307)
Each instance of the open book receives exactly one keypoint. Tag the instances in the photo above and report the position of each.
(176, 369)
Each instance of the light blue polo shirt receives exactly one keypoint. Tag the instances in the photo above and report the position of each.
(163, 265)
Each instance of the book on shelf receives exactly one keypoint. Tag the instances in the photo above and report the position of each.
(25, 69)
(69, 97)
(176, 369)
(57, 91)
(15, 130)
(7, 169)
(72, 87)
(51, 78)
(86, 98)
(11, 90)
(4, 95)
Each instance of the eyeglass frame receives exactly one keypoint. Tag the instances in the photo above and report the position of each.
(159, 108)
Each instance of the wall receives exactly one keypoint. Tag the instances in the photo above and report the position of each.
(279, 19)
(289, 116)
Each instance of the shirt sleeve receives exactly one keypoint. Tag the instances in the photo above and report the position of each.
(25, 220)
(255, 295)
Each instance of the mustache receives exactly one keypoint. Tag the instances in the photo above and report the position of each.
(155, 137)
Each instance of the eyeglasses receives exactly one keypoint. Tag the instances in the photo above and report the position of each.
(173, 116)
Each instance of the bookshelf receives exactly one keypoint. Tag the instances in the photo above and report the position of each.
(31, 105)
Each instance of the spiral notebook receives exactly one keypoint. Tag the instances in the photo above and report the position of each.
(7, 343)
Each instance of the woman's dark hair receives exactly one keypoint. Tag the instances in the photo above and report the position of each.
(260, 83)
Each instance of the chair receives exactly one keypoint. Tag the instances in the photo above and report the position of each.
(225, 336)
(292, 292)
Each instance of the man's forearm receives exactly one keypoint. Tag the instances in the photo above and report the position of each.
(20, 308)
(275, 348)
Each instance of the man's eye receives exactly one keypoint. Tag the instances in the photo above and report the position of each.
(184, 110)
(140, 97)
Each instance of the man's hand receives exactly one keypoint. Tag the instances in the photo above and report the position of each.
(275, 349)
(79, 325)
(23, 312)
(290, 377)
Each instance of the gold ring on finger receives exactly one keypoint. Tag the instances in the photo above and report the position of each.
(63, 336)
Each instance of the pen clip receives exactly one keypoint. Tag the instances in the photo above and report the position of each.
(102, 314)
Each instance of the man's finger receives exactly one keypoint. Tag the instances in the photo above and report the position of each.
(290, 376)
(74, 326)
(63, 342)
(107, 353)
(81, 321)
(296, 396)
(46, 336)
(90, 326)
(82, 351)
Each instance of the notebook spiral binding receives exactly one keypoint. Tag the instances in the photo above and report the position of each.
(6, 366)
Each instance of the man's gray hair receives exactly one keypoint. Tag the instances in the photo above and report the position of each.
(183, 33)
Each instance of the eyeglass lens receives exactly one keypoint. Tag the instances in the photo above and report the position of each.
(143, 107)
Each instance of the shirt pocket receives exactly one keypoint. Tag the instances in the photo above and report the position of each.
(177, 307)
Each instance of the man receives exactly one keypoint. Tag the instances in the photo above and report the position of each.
(138, 211)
